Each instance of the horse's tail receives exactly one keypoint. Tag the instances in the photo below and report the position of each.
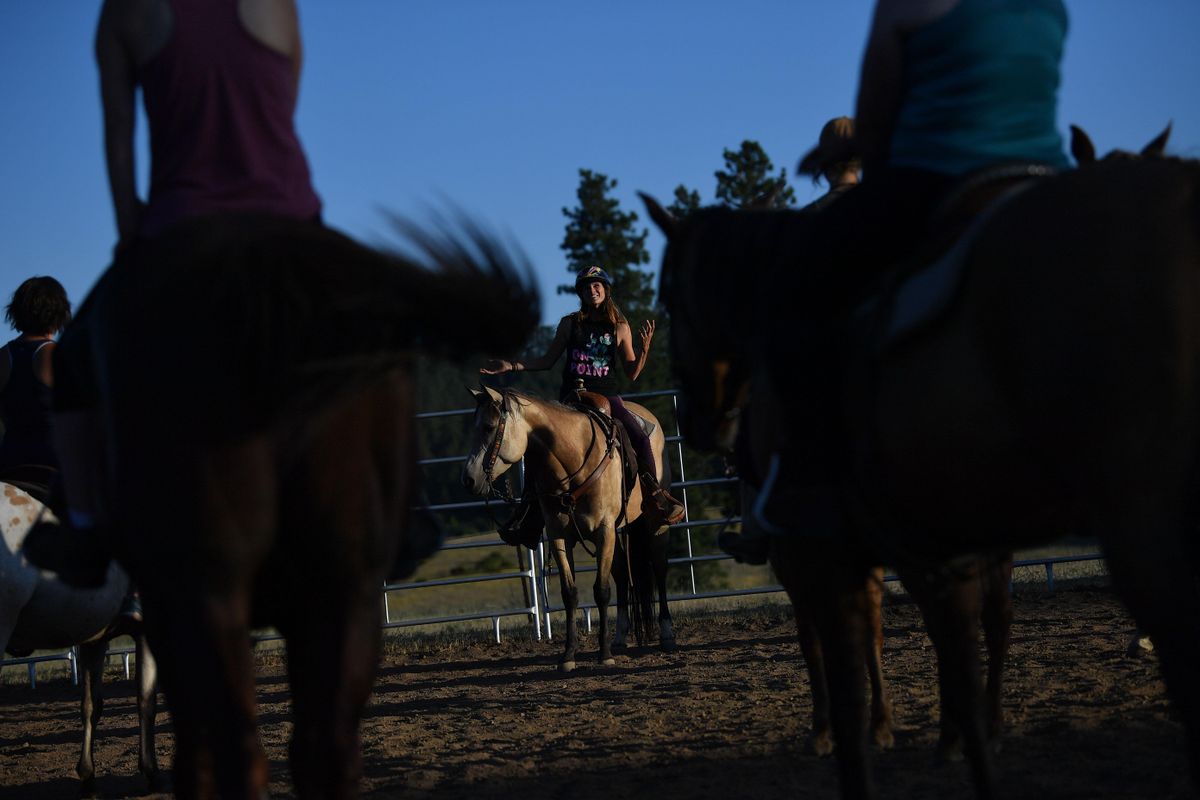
(641, 577)
(462, 294)
(469, 294)
(261, 312)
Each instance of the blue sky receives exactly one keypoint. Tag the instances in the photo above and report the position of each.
(494, 107)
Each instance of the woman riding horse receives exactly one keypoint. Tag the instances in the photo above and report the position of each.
(948, 88)
(39, 310)
(219, 83)
(595, 338)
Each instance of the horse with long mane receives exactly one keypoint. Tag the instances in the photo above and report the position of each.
(263, 468)
(40, 612)
(576, 467)
(1060, 391)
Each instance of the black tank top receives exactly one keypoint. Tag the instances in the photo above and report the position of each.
(25, 410)
(591, 357)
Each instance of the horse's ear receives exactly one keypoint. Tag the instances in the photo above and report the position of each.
(1081, 147)
(1158, 147)
(665, 221)
(476, 393)
(492, 393)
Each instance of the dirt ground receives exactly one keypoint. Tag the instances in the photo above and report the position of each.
(727, 715)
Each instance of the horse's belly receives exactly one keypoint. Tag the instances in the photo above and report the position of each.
(948, 454)
(56, 615)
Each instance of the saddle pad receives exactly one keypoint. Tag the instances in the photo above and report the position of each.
(646, 425)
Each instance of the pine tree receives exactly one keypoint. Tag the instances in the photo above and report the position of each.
(746, 181)
(599, 232)
(685, 202)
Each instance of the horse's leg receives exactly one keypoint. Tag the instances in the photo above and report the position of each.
(950, 603)
(621, 577)
(147, 701)
(333, 652)
(570, 598)
(91, 674)
(1154, 570)
(996, 580)
(821, 738)
(881, 704)
(202, 642)
(659, 549)
(602, 590)
(831, 591)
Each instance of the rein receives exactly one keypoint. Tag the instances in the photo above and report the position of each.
(568, 497)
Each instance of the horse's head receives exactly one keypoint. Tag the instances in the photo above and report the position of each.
(498, 439)
(1084, 151)
(705, 343)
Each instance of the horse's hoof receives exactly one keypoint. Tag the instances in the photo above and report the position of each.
(822, 744)
(608, 662)
(667, 645)
(619, 646)
(566, 666)
(884, 739)
(87, 787)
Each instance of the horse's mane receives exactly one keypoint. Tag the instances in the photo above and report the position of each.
(719, 259)
(525, 398)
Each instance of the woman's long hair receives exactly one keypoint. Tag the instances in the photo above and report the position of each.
(608, 308)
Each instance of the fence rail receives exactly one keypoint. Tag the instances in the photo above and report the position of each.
(534, 571)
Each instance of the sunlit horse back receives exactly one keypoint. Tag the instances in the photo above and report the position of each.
(578, 479)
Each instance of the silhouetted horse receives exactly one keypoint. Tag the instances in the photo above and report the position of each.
(1060, 390)
(40, 612)
(257, 381)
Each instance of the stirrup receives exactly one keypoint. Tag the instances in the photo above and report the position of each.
(524, 527)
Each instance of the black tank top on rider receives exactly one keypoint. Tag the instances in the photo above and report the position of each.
(591, 357)
(25, 410)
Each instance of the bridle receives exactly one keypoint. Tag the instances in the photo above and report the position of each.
(493, 453)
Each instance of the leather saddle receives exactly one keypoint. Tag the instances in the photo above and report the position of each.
(918, 293)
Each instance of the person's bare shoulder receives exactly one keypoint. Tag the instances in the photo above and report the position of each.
(275, 23)
(903, 16)
(141, 27)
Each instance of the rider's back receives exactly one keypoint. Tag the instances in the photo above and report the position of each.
(25, 410)
(980, 88)
(220, 81)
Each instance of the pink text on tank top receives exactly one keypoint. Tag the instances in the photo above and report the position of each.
(220, 106)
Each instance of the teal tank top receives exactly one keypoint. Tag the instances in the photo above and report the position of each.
(981, 87)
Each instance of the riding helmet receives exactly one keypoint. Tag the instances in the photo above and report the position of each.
(589, 274)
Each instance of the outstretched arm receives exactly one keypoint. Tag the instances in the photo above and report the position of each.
(498, 366)
(634, 364)
(881, 82)
(117, 84)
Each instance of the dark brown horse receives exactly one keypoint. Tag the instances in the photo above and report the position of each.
(1061, 391)
(978, 590)
(257, 381)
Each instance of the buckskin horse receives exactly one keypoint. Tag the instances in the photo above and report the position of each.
(39, 612)
(1059, 391)
(256, 378)
(578, 476)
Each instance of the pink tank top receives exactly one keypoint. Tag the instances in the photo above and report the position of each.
(220, 105)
